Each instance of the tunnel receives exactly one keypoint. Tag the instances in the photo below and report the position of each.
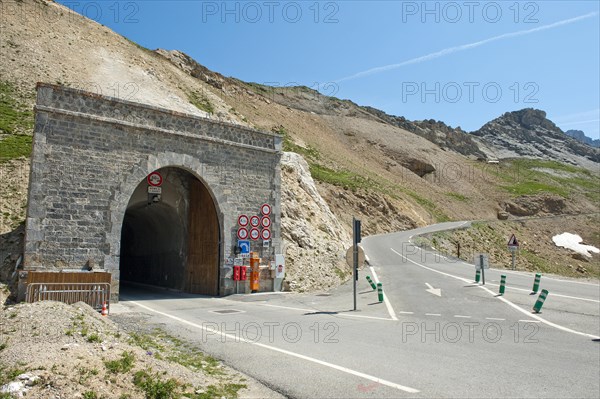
(170, 237)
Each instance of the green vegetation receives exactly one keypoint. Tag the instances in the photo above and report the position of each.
(220, 391)
(94, 338)
(154, 387)
(457, 196)
(90, 395)
(122, 365)
(15, 146)
(534, 176)
(14, 117)
(201, 102)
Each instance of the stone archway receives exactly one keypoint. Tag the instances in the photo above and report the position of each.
(175, 241)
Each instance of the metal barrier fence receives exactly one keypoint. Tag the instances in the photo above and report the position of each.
(94, 294)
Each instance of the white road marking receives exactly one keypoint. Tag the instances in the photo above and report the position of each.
(462, 317)
(434, 291)
(286, 352)
(406, 312)
(388, 305)
(553, 294)
(432, 314)
(501, 298)
(494, 318)
(530, 321)
(317, 310)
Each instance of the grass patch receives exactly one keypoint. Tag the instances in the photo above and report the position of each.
(457, 196)
(90, 395)
(15, 146)
(122, 365)
(340, 178)
(155, 388)
(218, 391)
(94, 338)
(14, 117)
(201, 102)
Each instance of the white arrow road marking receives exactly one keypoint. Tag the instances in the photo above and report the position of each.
(500, 298)
(434, 291)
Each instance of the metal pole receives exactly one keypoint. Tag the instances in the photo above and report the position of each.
(482, 270)
(513, 259)
(354, 260)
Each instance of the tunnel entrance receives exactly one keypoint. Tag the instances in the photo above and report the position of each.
(172, 240)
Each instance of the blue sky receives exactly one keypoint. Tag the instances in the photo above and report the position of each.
(461, 62)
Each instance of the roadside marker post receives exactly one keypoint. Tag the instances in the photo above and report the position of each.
(481, 260)
(355, 241)
(502, 284)
(380, 292)
(536, 283)
(540, 301)
(371, 282)
(477, 275)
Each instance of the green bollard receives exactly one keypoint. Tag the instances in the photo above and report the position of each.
(502, 284)
(380, 292)
(536, 283)
(540, 301)
(477, 275)
(371, 282)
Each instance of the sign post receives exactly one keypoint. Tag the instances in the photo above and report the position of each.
(355, 240)
(513, 246)
(481, 263)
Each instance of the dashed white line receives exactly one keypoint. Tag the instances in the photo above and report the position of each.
(432, 314)
(461, 316)
(501, 298)
(286, 352)
(529, 321)
(325, 311)
(406, 312)
(495, 318)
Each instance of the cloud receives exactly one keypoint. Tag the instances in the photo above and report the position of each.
(464, 47)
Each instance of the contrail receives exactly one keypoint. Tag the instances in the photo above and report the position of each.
(464, 47)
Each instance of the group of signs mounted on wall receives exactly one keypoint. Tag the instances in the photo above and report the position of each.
(255, 227)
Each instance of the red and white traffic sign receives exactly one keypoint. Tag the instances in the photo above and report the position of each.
(243, 220)
(254, 221)
(265, 209)
(265, 222)
(512, 242)
(266, 234)
(242, 233)
(155, 179)
(254, 234)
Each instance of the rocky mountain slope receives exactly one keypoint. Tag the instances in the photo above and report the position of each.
(392, 173)
(580, 136)
(528, 133)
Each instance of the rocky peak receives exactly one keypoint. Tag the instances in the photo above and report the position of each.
(528, 133)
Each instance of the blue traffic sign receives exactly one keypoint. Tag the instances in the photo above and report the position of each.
(244, 246)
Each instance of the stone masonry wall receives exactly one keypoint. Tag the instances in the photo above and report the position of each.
(90, 152)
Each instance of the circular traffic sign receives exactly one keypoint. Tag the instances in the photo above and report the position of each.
(254, 234)
(155, 179)
(254, 221)
(265, 209)
(242, 233)
(266, 222)
(266, 234)
(243, 220)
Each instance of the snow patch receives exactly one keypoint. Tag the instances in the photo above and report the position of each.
(573, 242)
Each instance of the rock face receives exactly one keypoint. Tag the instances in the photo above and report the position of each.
(528, 133)
(314, 240)
(580, 136)
(530, 205)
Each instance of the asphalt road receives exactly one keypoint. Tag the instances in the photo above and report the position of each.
(462, 341)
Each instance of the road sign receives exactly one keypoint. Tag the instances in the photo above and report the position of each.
(238, 262)
(155, 179)
(154, 190)
(266, 243)
(242, 233)
(265, 222)
(265, 234)
(254, 221)
(254, 234)
(244, 247)
(243, 220)
(265, 209)
(512, 242)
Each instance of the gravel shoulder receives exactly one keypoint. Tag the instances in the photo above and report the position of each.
(53, 350)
